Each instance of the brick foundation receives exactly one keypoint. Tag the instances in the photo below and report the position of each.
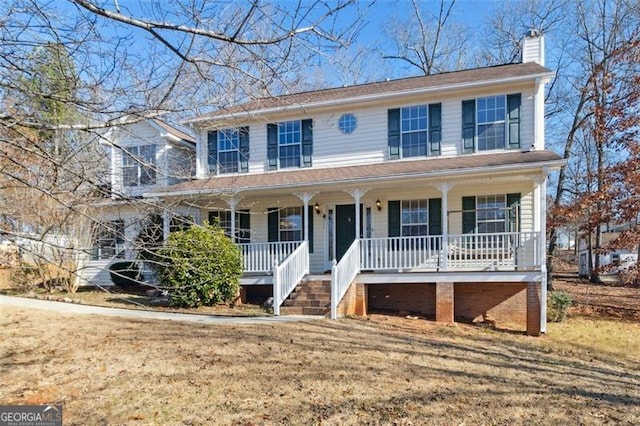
(504, 303)
(534, 298)
(413, 298)
(445, 302)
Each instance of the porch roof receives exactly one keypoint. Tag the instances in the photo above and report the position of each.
(363, 174)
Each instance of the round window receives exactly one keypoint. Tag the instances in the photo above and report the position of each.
(347, 123)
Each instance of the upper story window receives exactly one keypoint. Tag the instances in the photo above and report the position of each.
(139, 165)
(491, 123)
(289, 144)
(413, 128)
(414, 131)
(228, 150)
(347, 123)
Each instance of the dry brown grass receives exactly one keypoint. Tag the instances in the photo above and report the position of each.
(385, 370)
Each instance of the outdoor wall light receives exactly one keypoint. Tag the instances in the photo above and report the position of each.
(317, 208)
(378, 204)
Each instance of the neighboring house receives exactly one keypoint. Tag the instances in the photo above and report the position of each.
(611, 260)
(144, 155)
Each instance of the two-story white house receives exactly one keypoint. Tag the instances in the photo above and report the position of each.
(424, 194)
(143, 156)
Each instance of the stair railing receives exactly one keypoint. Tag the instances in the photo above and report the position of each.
(288, 274)
(343, 274)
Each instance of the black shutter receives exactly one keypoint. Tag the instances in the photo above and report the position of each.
(272, 146)
(212, 151)
(214, 216)
(435, 128)
(435, 216)
(513, 106)
(468, 215)
(311, 213)
(244, 149)
(273, 219)
(513, 218)
(394, 219)
(393, 116)
(243, 227)
(307, 142)
(468, 125)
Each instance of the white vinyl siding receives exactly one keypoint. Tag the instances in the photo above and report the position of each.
(368, 144)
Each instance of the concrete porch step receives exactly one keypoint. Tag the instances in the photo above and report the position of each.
(303, 310)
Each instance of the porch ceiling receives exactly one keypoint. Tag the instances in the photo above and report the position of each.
(390, 171)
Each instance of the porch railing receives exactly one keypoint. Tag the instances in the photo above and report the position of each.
(260, 257)
(467, 251)
(343, 274)
(288, 274)
(487, 251)
(397, 253)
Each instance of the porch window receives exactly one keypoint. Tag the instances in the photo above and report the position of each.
(109, 240)
(287, 224)
(291, 224)
(139, 165)
(243, 226)
(491, 122)
(228, 150)
(415, 218)
(491, 214)
(180, 223)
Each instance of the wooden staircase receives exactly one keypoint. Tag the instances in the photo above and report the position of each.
(310, 297)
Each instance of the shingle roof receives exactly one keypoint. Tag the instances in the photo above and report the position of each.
(340, 175)
(177, 133)
(406, 84)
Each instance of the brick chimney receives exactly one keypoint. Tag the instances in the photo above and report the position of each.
(533, 47)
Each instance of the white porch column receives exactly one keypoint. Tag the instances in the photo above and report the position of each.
(233, 202)
(306, 197)
(357, 195)
(166, 224)
(444, 190)
(539, 225)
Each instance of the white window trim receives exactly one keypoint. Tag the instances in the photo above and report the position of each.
(403, 132)
(219, 168)
(299, 144)
(503, 121)
(140, 164)
(403, 225)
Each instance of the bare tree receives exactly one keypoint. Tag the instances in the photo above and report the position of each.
(121, 63)
(430, 43)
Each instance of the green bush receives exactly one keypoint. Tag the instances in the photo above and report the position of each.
(200, 266)
(558, 303)
(125, 274)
